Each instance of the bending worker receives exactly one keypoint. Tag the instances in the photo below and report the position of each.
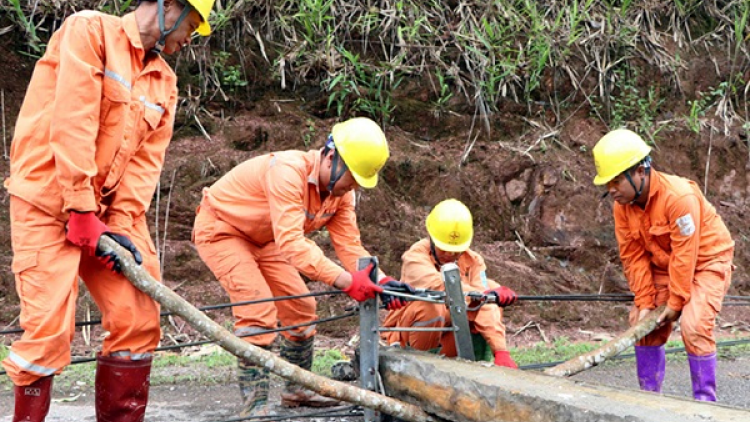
(675, 250)
(450, 230)
(250, 231)
(86, 156)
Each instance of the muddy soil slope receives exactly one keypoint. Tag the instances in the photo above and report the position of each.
(540, 223)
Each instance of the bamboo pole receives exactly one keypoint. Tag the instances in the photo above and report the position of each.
(233, 344)
(613, 348)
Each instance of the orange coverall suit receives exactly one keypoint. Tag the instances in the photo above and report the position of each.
(250, 231)
(421, 271)
(676, 251)
(91, 136)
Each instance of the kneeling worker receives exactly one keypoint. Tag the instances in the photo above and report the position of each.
(450, 229)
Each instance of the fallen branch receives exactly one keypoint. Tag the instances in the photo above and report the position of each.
(611, 349)
(206, 326)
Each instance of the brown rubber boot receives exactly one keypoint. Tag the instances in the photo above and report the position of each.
(301, 354)
(121, 388)
(32, 401)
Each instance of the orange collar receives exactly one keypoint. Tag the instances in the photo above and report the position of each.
(654, 186)
(130, 26)
(314, 175)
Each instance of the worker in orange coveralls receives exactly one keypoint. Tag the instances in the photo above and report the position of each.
(250, 231)
(86, 157)
(450, 228)
(675, 250)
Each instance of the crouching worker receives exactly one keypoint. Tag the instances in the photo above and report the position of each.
(86, 157)
(450, 230)
(250, 231)
(675, 250)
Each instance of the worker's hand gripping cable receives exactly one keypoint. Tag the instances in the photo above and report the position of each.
(501, 296)
(391, 301)
(362, 287)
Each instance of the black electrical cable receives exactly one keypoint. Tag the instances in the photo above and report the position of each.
(200, 343)
(603, 297)
(328, 413)
(580, 298)
(203, 308)
(270, 299)
(258, 333)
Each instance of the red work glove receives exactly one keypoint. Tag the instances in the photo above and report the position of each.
(393, 302)
(84, 230)
(502, 358)
(502, 295)
(362, 287)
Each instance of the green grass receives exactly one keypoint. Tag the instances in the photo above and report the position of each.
(563, 349)
(216, 366)
(324, 359)
(212, 366)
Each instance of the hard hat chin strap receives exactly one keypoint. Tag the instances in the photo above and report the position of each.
(646, 163)
(638, 191)
(433, 252)
(163, 32)
(336, 172)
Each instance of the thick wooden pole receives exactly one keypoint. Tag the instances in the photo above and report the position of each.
(233, 344)
(613, 348)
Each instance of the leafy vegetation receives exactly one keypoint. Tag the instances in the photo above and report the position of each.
(324, 359)
(630, 106)
(617, 55)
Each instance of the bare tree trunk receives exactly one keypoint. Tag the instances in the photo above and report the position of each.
(206, 326)
(611, 349)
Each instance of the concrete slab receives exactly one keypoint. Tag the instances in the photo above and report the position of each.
(464, 391)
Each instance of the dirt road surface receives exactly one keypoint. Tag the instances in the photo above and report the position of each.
(220, 403)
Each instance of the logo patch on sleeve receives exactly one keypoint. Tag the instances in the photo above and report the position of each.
(686, 225)
(483, 277)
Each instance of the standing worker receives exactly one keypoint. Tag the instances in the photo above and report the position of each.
(450, 229)
(250, 231)
(86, 157)
(675, 250)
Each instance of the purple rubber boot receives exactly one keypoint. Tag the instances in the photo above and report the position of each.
(703, 375)
(651, 364)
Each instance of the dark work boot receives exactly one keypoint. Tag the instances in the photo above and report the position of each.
(301, 354)
(121, 389)
(254, 383)
(32, 401)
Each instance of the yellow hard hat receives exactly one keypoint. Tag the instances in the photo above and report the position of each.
(450, 226)
(361, 144)
(203, 7)
(616, 152)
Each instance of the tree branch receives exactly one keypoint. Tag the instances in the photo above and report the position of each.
(611, 349)
(233, 344)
